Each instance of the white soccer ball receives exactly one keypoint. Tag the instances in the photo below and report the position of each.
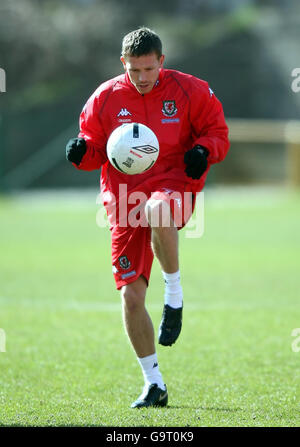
(132, 148)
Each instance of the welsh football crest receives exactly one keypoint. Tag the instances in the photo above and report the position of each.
(169, 108)
(124, 262)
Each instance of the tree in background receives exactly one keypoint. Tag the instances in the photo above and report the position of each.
(56, 53)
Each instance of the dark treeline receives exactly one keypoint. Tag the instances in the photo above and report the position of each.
(55, 53)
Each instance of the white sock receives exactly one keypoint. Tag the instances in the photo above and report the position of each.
(151, 371)
(173, 290)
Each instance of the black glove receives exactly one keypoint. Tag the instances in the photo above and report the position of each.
(196, 161)
(75, 150)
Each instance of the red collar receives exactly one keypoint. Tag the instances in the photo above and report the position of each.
(156, 85)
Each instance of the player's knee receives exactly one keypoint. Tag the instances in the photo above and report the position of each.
(132, 300)
(158, 212)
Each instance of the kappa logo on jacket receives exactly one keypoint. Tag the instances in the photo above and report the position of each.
(123, 112)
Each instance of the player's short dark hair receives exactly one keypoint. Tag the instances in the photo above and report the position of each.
(141, 42)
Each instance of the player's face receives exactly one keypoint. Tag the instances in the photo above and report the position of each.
(143, 71)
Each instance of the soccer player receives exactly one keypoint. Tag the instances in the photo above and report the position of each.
(188, 121)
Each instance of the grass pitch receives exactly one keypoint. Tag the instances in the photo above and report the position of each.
(68, 361)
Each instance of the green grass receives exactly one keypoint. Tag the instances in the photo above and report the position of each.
(68, 360)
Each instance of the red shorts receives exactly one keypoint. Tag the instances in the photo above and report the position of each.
(132, 255)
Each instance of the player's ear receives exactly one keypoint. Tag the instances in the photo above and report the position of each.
(161, 60)
(123, 62)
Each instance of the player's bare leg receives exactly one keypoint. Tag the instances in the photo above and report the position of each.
(165, 247)
(164, 234)
(140, 331)
(136, 319)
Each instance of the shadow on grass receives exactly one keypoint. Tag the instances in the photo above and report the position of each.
(189, 407)
(168, 407)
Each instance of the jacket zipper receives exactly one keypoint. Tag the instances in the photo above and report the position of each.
(146, 111)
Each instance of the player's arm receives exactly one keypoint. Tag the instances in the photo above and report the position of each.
(210, 132)
(88, 152)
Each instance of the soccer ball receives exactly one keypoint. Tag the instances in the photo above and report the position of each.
(132, 148)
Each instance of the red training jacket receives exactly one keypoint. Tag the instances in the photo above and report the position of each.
(181, 110)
